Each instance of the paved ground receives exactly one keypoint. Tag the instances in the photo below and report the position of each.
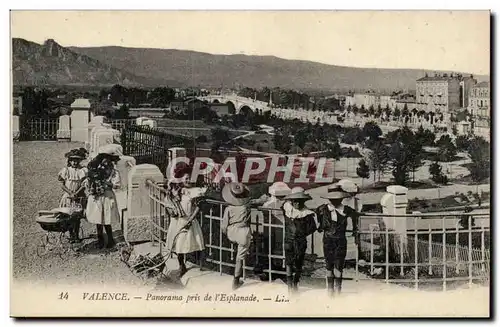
(35, 187)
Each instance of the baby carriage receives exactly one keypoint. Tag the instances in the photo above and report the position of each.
(58, 224)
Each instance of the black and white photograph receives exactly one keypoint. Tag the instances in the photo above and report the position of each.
(250, 163)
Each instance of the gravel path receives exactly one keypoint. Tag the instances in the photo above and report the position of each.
(35, 187)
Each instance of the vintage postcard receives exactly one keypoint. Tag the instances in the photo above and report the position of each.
(250, 164)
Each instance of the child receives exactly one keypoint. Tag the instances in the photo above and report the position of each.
(72, 178)
(299, 223)
(333, 223)
(236, 224)
(184, 234)
(102, 208)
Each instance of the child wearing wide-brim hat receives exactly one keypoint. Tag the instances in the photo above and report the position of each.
(333, 218)
(236, 224)
(299, 223)
(72, 178)
(103, 179)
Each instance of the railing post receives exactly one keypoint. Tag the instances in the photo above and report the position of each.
(64, 131)
(16, 133)
(394, 203)
(470, 250)
(136, 227)
(80, 120)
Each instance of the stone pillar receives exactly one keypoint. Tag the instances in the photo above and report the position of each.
(15, 128)
(395, 202)
(136, 223)
(139, 120)
(124, 166)
(101, 137)
(64, 131)
(149, 122)
(175, 153)
(80, 116)
(96, 121)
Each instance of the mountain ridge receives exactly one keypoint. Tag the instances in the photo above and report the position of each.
(51, 63)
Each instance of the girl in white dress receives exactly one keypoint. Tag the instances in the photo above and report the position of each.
(72, 178)
(184, 234)
(102, 208)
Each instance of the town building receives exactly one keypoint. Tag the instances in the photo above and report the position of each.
(221, 109)
(443, 93)
(367, 99)
(479, 100)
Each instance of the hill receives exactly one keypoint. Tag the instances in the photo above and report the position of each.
(52, 64)
(209, 70)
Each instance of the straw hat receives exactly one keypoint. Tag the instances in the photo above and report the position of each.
(110, 151)
(298, 193)
(335, 192)
(78, 154)
(279, 189)
(348, 186)
(236, 194)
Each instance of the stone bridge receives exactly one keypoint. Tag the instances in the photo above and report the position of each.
(240, 104)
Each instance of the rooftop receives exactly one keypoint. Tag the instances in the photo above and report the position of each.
(483, 84)
(436, 78)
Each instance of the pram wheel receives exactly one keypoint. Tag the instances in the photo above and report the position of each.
(42, 247)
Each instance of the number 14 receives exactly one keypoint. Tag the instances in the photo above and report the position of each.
(63, 296)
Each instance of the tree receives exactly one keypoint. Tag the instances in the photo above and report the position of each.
(397, 112)
(300, 138)
(333, 151)
(363, 170)
(122, 113)
(282, 141)
(479, 153)
(372, 131)
(436, 172)
(378, 159)
(406, 112)
(425, 137)
(399, 159)
(371, 110)
(462, 142)
(355, 109)
(387, 111)
(447, 150)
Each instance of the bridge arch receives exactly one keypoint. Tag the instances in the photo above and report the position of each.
(245, 110)
(232, 107)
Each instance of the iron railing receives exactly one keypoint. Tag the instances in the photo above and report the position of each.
(433, 251)
(39, 129)
(149, 145)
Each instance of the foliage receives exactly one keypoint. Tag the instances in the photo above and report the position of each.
(378, 159)
(462, 142)
(363, 170)
(479, 152)
(437, 175)
(372, 131)
(425, 137)
(447, 150)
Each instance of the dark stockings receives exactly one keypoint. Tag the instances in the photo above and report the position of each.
(334, 281)
(182, 263)
(100, 236)
(75, 231)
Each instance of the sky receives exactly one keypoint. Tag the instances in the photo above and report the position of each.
(445, 40)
